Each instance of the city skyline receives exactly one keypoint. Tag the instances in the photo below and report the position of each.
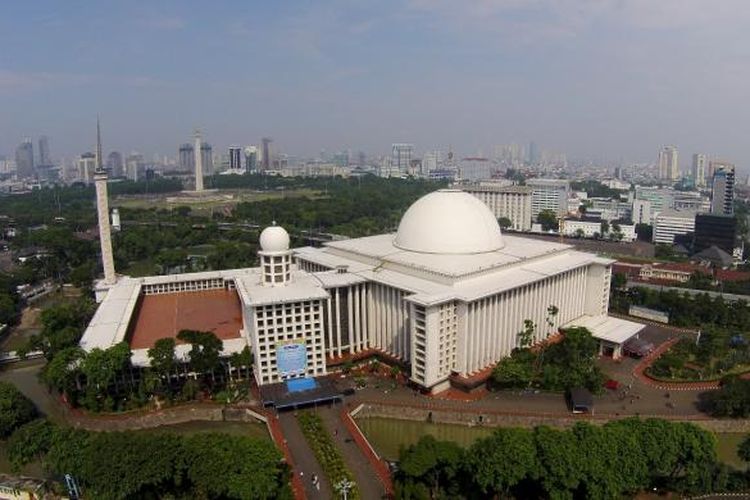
(595, 81)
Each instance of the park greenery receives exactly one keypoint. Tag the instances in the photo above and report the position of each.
(103, 380)
(325, 451)
(556, 366)
(731, 400)
(618, 459)
(120, 465)
(15, 409)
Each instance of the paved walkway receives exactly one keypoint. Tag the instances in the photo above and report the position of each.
(303, 457)
(370, 487)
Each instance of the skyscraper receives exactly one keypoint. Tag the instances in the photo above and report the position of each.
(700, 162)
(251, 159)
(207, 158)
(186, 157)
(722, 189)
(534, 155)
(669, 169)
(266, 162)
(235, 157)
(114, 164)
(44, 158)
(86, 167)
(401, 157)
(25, 160)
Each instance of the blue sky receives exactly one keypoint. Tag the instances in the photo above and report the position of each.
(594, 78)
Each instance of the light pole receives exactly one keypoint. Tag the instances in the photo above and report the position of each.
(343, 487)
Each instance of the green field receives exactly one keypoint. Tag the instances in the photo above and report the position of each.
(388, 436)
(213, 201)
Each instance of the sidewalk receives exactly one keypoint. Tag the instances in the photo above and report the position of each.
(303, 457)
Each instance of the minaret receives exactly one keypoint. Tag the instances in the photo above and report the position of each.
(102, 210)
(198, 162)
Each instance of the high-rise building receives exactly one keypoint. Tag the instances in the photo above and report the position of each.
(549, 194)
(714, 230)
(722, 189)
(511, 202)
(669, 168)
(44, 157)
(25, 160)
(700, 162)
(207, 158)
(186, 157)
(115, 164)
(401, 157)
(86, 167)
(430, 162)
(534, 154)
(265, 153)
(134, 167)
(235, 157)
(251, 159)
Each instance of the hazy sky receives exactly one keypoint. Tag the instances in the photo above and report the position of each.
(593, 78)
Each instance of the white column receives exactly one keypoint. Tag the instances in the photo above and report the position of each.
(350, 316)
(338, 322)
(105, 235)
(357, 320)
(330, 327)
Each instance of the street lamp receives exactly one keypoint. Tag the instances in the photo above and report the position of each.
(344, 486)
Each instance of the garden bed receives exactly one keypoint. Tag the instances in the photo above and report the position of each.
(711, 359)
(325, 450)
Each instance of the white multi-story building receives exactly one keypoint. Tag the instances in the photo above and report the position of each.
(401, 155)
(512, 202)
(86, 168)
(641, 211)
(446, 296)
(591, 228)
(669, 168)
(549, 194)
(699, 170)
(670, 223)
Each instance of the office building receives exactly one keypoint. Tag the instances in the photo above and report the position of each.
(25, 160)
(251, 159)
(669, 168)
(235, 157)
(511, 202)
(266, 152)
(715, 230)
(401, 155)
(86, 168)
(722, 189)
(549, 194)
(135, 167)
(670, 223)
(700, 170)
(534, 154)
(115, 165)
(446, 295)
(641, 212)
(186, 157)
(44, 157)
(430, 162)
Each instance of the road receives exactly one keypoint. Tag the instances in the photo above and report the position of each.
(690, 291)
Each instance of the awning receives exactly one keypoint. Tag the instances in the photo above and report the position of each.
(607, 328)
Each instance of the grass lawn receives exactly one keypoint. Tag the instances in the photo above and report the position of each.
(249, 429)
(726, 448)
(140, 268)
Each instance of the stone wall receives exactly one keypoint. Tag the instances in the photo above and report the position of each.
(472, 418)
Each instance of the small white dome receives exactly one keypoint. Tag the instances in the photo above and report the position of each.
(274, 239)
(449, 221)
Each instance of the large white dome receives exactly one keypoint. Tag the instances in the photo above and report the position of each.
(274, 239)
(449, 221)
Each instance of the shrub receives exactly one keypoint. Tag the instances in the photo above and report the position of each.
(15, 409)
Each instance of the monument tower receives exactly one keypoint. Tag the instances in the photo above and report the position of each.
(198, 162)
(102, 210)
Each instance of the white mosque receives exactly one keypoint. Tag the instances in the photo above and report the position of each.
(446, 295)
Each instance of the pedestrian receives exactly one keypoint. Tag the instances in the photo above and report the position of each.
(335, 432)
(301, 474)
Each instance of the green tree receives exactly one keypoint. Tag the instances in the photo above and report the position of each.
(500, 462)
(162, 359)
(30, 442)
(433, 463)
(604, 228)
(732, 399)
(15, 409)
(224, 466)
(548, 219)
(205, 350)
(743, 450)
(504, 222)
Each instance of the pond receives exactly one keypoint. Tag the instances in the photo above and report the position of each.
(388, 435)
